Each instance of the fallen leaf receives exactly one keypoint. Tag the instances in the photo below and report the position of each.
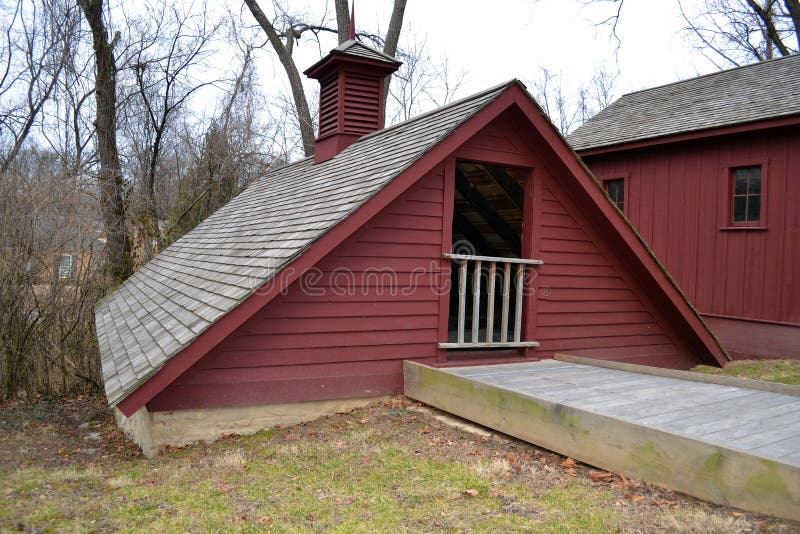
(363, 421)
(426, 430)
(569, 462)
(601, 476)
(264, 519)
(737, 514)
(471, 492)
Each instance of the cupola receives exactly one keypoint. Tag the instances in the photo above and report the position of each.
(351, 100)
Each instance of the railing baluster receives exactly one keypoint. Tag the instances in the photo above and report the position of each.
(476, 301)
(490, 302)
(511, 283)
(462, 298)
(506, 293)
(518, 304)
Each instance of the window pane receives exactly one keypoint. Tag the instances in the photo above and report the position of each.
(741, 182)
(616, 190)
(739, 207)
(754, 187)
(754, 209)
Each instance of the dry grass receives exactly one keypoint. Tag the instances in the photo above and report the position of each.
(390, 467)
(783, 371)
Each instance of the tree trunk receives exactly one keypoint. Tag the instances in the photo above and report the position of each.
(342, 20)
(771, 35)
(295, 82)
(110, 175)
(793, 7)
(392, 38)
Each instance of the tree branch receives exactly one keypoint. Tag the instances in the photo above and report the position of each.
(295, 82)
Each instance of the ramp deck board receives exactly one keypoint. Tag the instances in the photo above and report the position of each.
(724, 443)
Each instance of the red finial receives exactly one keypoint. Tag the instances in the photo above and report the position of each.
(352, 35)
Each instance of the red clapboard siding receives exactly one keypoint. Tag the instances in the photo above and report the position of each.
(342, 330)
(338, 381)
(232, 358)
(587, 303)
(677, 201)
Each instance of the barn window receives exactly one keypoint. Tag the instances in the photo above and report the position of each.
(616, 190)
(746, 195)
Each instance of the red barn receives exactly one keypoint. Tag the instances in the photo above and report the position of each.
(708, 171)
(470, 234)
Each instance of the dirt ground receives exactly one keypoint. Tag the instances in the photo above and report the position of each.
(65, 466)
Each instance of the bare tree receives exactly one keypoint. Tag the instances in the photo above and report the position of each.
(290, 32)
(549, 93)
(170, 45)
(230, 157)
(733, 31)
(109, 176)
(393, 37)
(48, 279)
(284, 52)
(742, 31)
(342, 20)
(565, 111)
(38, 38)
(421, 82)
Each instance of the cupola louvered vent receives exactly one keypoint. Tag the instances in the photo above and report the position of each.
(328, 105)
(351, 102)
(361, 99)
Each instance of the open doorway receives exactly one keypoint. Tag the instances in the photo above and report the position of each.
(486, 300)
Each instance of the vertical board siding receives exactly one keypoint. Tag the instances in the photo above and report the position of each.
(344, 328)
(587, 304)
(679, 191)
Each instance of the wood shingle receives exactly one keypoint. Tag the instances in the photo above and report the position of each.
(762, 91)
(170, 301)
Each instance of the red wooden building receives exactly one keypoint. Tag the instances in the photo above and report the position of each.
(708, 171)
(470, 234)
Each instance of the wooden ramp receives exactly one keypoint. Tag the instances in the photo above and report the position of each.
(710, 437)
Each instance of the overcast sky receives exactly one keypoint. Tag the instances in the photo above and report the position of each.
(496, 41)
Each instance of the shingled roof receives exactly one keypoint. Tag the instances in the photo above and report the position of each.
(169, 302)
(757, 92)
(354, 48)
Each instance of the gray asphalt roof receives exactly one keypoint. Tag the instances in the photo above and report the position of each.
(766, 90)
(171, 300)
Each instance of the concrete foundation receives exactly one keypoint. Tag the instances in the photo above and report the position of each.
(153, 430)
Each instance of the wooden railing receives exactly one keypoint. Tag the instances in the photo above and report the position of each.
(495, 267)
